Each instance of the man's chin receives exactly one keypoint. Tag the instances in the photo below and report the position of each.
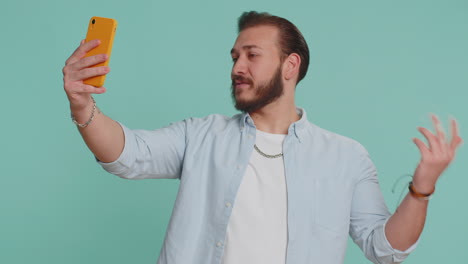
(245, 105)
(240, 98)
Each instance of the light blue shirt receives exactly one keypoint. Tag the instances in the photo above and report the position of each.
(332, 188)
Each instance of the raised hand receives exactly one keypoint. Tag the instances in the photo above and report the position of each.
(78, 68)
(435, 157)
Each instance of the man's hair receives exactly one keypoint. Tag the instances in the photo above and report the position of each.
(290, 38)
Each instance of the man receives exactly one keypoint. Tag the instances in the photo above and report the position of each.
(266, 185)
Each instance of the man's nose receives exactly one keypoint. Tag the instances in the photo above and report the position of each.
(239, 67)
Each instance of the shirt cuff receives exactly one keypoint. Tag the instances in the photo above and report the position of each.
(397, 255)
(121, 166)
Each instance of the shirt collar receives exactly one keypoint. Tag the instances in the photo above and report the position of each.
(296, 128)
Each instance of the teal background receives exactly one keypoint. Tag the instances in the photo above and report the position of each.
(378, 68)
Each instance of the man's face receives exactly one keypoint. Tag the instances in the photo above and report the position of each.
(256, 74)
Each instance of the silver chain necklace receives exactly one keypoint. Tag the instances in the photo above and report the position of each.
(266, 155)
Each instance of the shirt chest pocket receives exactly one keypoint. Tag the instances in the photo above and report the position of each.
(332, 204)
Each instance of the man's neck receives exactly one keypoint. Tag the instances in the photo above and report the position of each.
(276, 117)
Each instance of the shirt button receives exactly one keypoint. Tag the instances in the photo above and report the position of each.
(228, 204)
(238, 167)
(219, 244)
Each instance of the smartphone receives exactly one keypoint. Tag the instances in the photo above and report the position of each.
(103, 29)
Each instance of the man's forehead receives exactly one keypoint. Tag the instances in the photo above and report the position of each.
(260, 37)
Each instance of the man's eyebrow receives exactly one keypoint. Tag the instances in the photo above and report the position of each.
(246, 47)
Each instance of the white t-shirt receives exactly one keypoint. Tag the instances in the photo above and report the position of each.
(257, 231)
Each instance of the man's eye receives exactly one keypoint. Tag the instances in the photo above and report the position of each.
(234, 59)
(252, 55)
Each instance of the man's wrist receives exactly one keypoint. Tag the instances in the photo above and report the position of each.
(82, 112)
(422, 186)
(82, 118)
(418, 194)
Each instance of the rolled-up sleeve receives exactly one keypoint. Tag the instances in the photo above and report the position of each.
(385, 252)
(150, 153)
(369, 214)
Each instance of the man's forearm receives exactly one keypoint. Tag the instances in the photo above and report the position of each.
(103, 136)
(405, 226)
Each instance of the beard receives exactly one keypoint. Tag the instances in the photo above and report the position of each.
(265, 93)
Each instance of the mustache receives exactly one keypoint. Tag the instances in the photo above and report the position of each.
(238, 78)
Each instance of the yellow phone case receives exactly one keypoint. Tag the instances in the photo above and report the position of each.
(103, 29)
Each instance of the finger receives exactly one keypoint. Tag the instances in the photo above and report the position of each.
(434, 144)
(81, 51)
(421, 146)
(88, 61)
(456, 139)
(440, 132)
(438, 128)
(88, 73)
(85, 88)
(72, 59)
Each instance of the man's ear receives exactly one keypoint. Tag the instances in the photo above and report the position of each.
(291, 66)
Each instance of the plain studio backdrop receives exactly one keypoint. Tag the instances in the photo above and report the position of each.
(377, 69)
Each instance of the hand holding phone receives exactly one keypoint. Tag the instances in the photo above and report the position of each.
(83, 73)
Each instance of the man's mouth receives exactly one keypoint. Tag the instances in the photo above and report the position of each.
(241, 83)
